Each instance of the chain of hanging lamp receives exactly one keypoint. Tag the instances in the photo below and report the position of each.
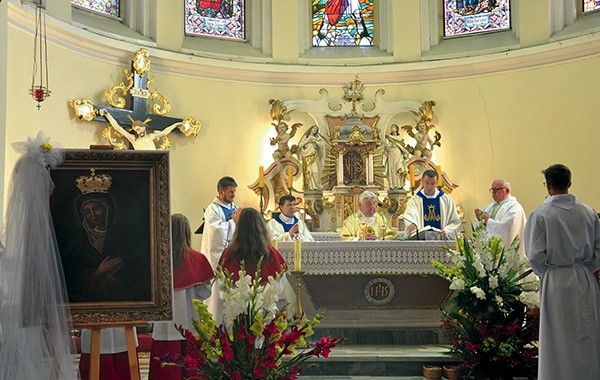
(39, 78)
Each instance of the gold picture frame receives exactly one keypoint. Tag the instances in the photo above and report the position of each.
(111, 214)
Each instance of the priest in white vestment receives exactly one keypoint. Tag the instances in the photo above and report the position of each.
(220, 218)
(562, 242)
(377, 226)
(432, 207)
(285, 226)
(505, 216)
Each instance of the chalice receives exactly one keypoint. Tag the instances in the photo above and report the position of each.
(382, 229)
(362, 230)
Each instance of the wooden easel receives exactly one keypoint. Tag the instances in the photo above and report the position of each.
(132, 357)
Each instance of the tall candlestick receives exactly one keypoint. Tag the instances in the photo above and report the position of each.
(290, 177)
(297, 255)
(438, 170)
(261, 176)
(411, 173)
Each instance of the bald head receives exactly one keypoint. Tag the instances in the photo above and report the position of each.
(500, 189)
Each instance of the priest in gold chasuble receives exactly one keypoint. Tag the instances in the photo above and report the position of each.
(366, 223)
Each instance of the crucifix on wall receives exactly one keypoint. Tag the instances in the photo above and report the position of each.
(147, 130)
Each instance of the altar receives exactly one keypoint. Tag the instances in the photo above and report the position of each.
(371, 284)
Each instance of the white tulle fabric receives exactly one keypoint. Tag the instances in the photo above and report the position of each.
(34, 313)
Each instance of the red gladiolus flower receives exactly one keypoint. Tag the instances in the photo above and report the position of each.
(324, 346)
(236, 375)
(272, 351)
(258, 372)
(190, 363)
(270, 328)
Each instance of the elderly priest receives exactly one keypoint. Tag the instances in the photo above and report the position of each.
(432, 208)
(366, 223)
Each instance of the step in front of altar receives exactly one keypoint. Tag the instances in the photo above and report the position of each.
(383, 336)
(380, 360)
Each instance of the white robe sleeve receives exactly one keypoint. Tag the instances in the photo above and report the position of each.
(535, 243)
(217, 233)
(508, 223)
(304, 232)
(414, 212)
(451, 220)
(276, 231)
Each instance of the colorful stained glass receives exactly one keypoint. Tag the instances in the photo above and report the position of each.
(216, 18)
(342, 22)
(591, 5)
(105, 7)
(463, 17)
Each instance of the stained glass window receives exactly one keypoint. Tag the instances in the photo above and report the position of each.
(342, 22)
(463, 17)
(591, 5)
(105, 7)
(217, 18)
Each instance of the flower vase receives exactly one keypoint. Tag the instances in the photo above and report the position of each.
(451, 372)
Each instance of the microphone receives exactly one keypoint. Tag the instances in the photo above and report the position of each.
(413, 223)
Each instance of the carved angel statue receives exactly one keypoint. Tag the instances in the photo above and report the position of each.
(282, 139)
(395, 159)
(423, 142)
(311, 152)
(139, 137)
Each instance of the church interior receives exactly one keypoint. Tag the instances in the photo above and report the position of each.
(507, 104)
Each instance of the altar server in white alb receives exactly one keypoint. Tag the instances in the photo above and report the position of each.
(432, 207)
(504, 217)
(220, 218)
(562, 242)
(285, 226)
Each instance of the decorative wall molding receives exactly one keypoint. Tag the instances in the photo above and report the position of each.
(262, 71)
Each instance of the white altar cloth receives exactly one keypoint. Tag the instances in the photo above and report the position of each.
(368, 257)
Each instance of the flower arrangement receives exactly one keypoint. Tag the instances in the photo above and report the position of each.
(255, 341)
(487, 319)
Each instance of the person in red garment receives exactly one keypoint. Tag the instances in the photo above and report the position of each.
(251, 243)
(192, 276)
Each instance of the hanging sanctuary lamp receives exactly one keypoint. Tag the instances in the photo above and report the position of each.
(39, 78)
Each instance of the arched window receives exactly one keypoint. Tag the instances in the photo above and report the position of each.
(216, 18)
(465, 17)
(342, 23)
(591, 5)
(105, 7)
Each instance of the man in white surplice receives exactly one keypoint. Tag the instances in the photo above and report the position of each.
(562, 242)
(432, 207)
(505, 216)
(220, 219)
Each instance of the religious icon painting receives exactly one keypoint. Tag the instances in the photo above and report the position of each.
(466, 17)
(104, 7)
(342, 23)
(216, 18)
(110, 211)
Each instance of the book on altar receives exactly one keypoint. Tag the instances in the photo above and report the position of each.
(424, 233)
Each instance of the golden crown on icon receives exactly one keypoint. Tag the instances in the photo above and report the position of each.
(93, 183)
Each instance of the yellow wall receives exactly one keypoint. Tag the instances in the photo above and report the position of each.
(507, 124)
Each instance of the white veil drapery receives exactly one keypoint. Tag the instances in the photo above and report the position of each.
(34, 313)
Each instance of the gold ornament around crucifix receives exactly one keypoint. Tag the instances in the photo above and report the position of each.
(146, 130)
